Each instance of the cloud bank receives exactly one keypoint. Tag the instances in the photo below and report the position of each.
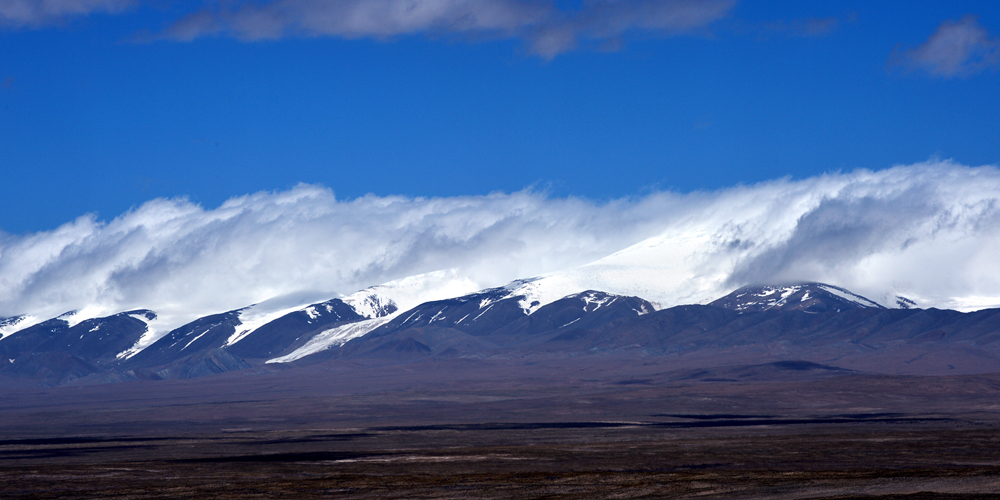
(929, 231)
(957, 48)
(173, 255)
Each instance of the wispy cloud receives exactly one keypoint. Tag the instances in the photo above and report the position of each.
(360, 18)
(930, 231)
(31, 13)
(607, 21)
(806, 27)
(957, 48)
(546, 29)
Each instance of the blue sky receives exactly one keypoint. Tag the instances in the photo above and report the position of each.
(115, 102)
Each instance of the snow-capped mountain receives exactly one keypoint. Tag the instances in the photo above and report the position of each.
(381, 304)
(808, 297)
(58, 349)
(297, 316)
(474, 313)
(91, 339)
(231, 338)
(443, 315)
(292, 330)
(487, 323)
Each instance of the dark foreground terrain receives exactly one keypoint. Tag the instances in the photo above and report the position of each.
(562, 429)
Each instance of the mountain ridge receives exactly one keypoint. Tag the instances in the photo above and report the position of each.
(810, 322)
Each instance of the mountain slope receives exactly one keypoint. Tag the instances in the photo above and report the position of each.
(57, 352)
(488, 323)
(294, 329)
(808, 297)
(811, 322)
(204, 334)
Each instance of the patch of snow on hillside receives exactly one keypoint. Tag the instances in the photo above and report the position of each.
(194, 339)
(151, 335)
(484, 312)
(538, 291)
(368, 303)
(436, 317)
(68, 317)
(334, 337)
(262, 313)
(570, 323)
(596, 299)
(410, 292)
(766, 297)
(252, 318)
(79, 316)
(9, 326)
(850, 297)
(312, 312)
(786, 293)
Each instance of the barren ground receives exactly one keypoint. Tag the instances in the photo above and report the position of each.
(560, 430)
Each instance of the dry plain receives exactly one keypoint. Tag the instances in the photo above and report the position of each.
(504, 429)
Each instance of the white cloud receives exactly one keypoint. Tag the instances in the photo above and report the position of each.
(179, 258)
(930, 231)
(546, 29)
(39, 12)
(957, 48)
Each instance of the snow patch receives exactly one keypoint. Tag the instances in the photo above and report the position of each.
(312, 312)
(849, 296)
(76, 317)
(196, 338)
(597, 299)
(769, 297)
(407, 293)
(484, 312)
(334, 337)
(262, 313)
(151, 335)
(10, 326)
(252, 318)
(570, 323)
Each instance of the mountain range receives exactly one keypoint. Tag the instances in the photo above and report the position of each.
(803, 322)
